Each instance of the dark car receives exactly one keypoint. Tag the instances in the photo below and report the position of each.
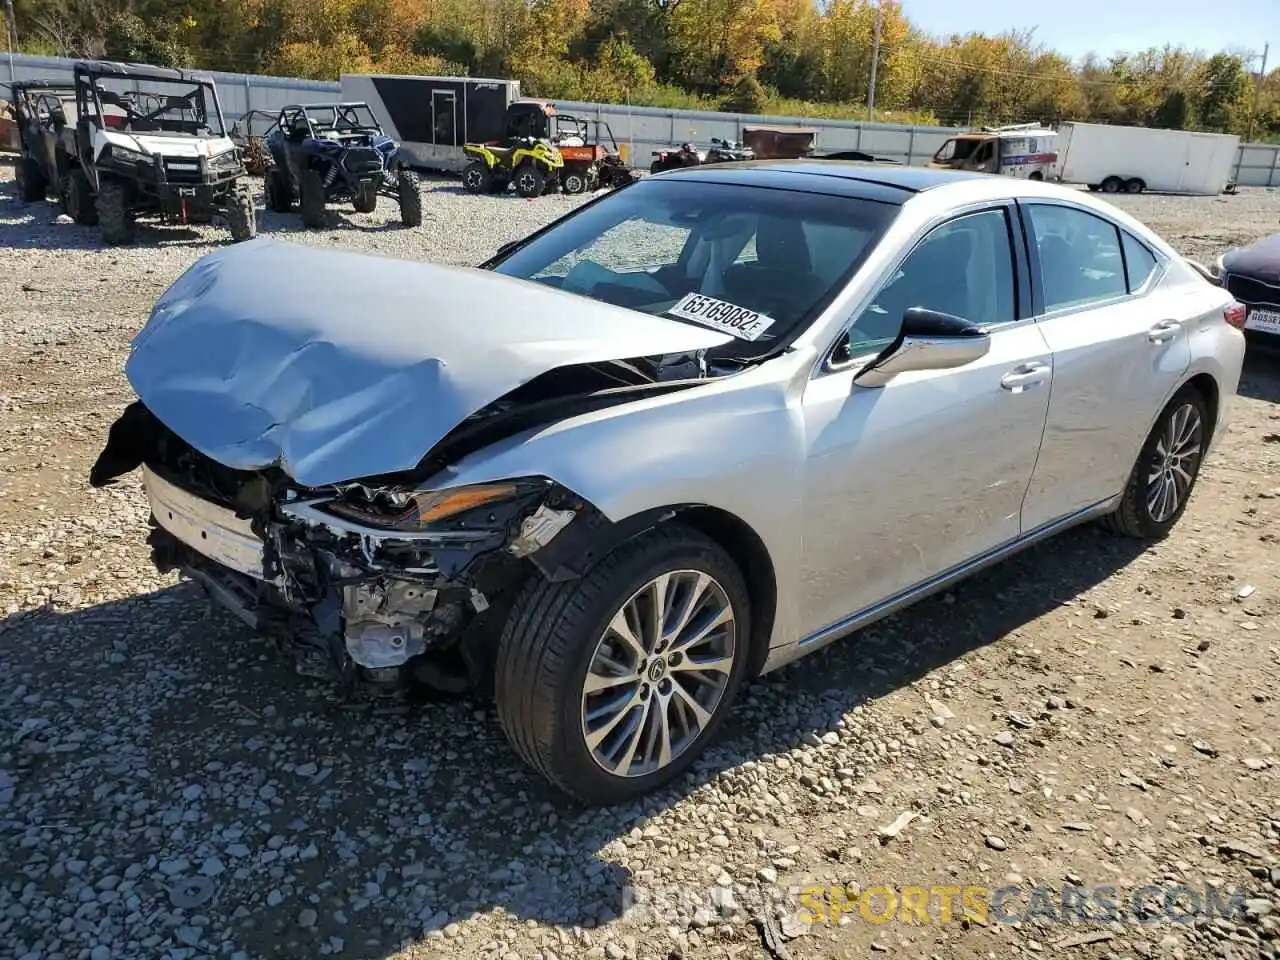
(1252, 275)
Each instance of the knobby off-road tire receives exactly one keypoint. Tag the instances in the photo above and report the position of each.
(279, 193)
(477, 177)
(1172, 454)
(242, 215)
(530, 180)
(573, 181)
(366, 200)
(78, 199)
(311, 199)
(32, 186)
(115, 219)
(410, 194)
(551, 640)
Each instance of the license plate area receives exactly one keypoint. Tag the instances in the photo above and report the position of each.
(211, 530)
(1264, 321)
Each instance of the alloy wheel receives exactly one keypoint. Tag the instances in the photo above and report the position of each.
(659, 672)
(1175, 461)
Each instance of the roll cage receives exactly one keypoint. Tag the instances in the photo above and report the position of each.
(135, 98)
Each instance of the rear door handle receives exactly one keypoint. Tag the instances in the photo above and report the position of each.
(1025, 376)
(1164, 331)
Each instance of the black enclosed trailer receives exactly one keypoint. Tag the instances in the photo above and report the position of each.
(432, 117)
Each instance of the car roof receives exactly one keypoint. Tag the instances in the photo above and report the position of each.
(844, 178)
(141, 71)
(325, 105)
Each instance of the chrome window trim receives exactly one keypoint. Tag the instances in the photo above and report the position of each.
(825, 365)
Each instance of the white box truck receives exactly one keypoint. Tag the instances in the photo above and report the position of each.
(1117, 159)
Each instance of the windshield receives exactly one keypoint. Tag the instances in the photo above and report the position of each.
(342, 119)
(955, 150)
(753, 262)
(147, 105)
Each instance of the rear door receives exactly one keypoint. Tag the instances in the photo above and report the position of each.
(1120, 347)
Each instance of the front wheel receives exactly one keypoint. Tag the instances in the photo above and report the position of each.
(366, 200)
(1166, 472)
(614, 685)
(311, 198)
(242, 215)
(115, 219)
(78, 199)
(31, 182)
(410, 195)
(530, 181)
(279, 191)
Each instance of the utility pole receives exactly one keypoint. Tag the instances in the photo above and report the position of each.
(1257, 91)
(12, 38)
(875, 62)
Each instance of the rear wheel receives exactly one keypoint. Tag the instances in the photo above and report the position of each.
(279, 192)
(477, 177)
(573, 180)
(311, 199)
(1112, 185)
(366, 200)
(115, 219)
(530, 180)
(242, 216)
(32, 184)
(1135, 185)
(613, 685)
(410, 196)
(1166, 470)
(78, 199)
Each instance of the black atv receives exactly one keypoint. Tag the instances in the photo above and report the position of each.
(325, 153)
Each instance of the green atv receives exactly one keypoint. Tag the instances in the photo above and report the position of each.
(532, 165)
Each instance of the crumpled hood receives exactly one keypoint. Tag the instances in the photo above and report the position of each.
(336, 365)
(1260, 261)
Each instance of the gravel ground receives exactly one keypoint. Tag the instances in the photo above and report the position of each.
(1082, 715)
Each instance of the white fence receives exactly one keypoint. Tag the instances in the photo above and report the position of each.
(643, 129)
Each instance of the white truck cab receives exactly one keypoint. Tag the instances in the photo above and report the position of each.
(1026, 150)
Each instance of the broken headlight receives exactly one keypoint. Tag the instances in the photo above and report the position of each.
(416, 509)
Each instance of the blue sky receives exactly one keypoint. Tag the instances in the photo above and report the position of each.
(1078, 26)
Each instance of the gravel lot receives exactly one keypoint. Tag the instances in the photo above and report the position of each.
(1083, 715)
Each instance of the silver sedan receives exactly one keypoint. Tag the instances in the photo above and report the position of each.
(694, 430)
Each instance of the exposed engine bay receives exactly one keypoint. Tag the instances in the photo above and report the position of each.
(382, 582)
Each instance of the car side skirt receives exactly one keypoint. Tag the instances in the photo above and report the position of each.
(782, 655)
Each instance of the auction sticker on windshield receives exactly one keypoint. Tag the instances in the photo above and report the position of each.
(726, 317)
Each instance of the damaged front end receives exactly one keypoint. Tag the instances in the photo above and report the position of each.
(380, 585)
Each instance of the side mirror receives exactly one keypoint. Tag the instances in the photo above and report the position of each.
(928, 340)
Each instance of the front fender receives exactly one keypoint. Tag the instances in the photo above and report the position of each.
(734, 445)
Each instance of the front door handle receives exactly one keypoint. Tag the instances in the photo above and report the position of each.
(1164, 331)
(1025, 376)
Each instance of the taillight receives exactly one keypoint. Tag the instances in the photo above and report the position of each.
(1235, 315)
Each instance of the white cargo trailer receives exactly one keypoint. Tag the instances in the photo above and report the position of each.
(432, 117)
(1117, 159)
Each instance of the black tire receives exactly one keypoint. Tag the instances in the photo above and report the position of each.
(311, 199)
(1134, 517)
(115, 219)
(279, 191)
(78, 199)
(573, 180)
(32, 185)
(1134, 185)
(655, 167)
(1112, 185)
(550, 638)
(530, 180)
(409, 192)
(366, 200)
(477, 177)
(242, 214)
